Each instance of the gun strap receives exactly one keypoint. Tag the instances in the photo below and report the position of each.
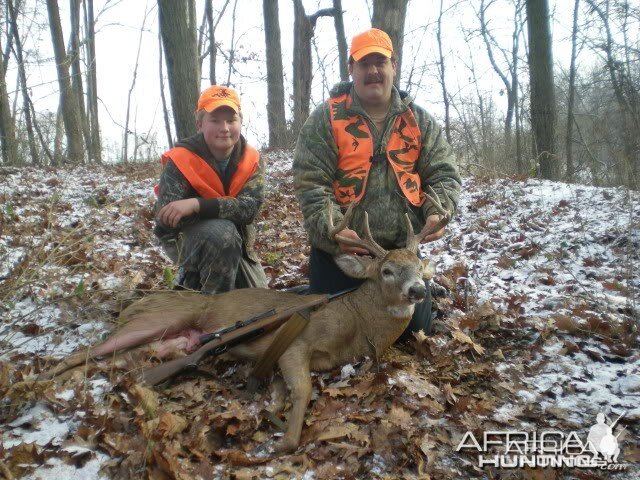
(287, 334)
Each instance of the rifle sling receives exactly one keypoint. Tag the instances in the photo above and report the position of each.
(287, 334)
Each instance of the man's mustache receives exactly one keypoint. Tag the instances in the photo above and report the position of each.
(373, 79)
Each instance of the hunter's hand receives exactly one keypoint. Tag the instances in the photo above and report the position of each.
(348, 233)
(173, 212)
(432, 220)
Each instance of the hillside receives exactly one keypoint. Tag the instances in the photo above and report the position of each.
(536, 329)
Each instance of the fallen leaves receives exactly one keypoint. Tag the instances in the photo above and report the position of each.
(147, 400)
(338, 431)
(449, 394)
(508, 311)
(465, 339)
(400, 417)
(167, 426)
(240, 458)
(24, 457)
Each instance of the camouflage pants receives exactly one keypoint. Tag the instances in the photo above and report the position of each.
(208, 253)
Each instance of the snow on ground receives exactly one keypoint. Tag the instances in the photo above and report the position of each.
(553, 243)
(542, 274)
(548, 251)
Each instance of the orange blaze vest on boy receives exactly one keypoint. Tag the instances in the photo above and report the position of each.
(204, 179)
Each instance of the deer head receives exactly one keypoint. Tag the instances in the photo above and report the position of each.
(400, 273)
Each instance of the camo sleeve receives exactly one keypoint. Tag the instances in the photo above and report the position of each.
(243, 209)
(314, 165)
(174, 186)
(437, 165)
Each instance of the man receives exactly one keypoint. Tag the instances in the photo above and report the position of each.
(210, 192)
(353, 148)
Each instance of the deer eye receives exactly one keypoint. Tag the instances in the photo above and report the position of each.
(386, 272)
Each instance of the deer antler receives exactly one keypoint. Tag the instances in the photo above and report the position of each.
(368, 243)
(414, 240)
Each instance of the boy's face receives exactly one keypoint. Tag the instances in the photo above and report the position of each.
(221, 130)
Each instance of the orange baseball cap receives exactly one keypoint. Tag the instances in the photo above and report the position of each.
(371, 41)
(217, 96)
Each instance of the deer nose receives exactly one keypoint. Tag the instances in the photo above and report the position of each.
(417, 292)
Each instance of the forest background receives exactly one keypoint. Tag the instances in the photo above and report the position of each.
(138, 67)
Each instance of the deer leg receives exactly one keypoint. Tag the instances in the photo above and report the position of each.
(278, 395)
(68, 363)
(131, 335)
(68, 367)
(295, 370)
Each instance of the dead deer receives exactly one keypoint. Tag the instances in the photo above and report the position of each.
(365, 321)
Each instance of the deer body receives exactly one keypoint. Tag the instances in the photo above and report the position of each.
(364, 322)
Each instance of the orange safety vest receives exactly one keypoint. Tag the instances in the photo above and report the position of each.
(355, 153)
(204, 179)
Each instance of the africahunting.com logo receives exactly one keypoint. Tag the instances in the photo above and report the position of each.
(548, 448)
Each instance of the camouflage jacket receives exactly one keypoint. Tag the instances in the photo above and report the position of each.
(315, 164)
(241, 210)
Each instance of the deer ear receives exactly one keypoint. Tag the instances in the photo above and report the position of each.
(356, 266)
(428, 269)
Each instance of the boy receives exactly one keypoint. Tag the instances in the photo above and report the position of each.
(210, 192)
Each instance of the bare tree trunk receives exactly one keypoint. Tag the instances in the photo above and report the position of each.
(180, 47)
(543, 102)
(389, 15)
(9, 46)
(520, 165)
(338, 20)
(572, 93)
(125, 142)
(70, 105)
(626, 96)
(17, 48)
(192, 19)
(275, 77)
(43, 140)
(7, 124)
(76, 77)
(483, 149)
(232, 50)
(208, 11)
(488, 42)
(515, 83)
(441, 74)
(57, 141)
(212, 48)
(301, 66)
(303, 27)
(469, 136)
(92, 83)
(165, 112)
(633, 94)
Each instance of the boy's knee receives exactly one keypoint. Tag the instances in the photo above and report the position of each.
(218, 234)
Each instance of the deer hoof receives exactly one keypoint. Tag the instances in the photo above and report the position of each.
(285, 445)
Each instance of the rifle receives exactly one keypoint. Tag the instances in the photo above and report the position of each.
(220, 341)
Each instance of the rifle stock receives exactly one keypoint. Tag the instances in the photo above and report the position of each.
(166, 370)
